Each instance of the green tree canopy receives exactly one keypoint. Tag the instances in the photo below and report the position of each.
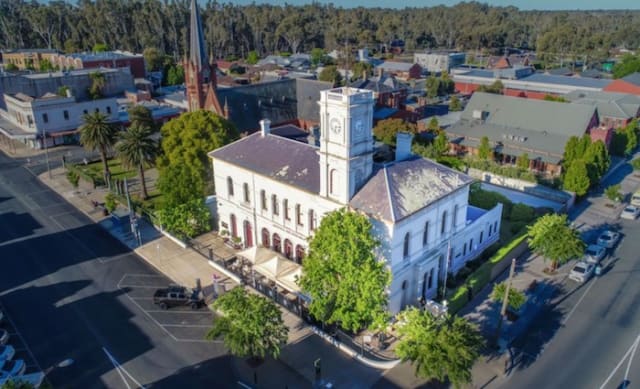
(137, 149)
(552, 238)
(613, 192)
(139, 115)
(597, 159)
(523, 161)
(317, 54)
(100, 47)
(516, 297)
(330, 74)
(455, 104)
(441, 144)
(433, 126)
(250, 325)
(97, 85)
(442, 348)
(484, 149)
(576, 179)
(386, 130)
(153, 58)
(496, 88)
(186, 220)
(175, 75)
(187, 139)
(360, 68)
(98, 134)
(629, 64)
(342, 274)
(253, 57)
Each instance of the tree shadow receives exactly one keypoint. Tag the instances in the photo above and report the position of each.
(3, 199)
(17, 225)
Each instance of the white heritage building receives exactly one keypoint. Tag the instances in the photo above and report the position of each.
(273, 192)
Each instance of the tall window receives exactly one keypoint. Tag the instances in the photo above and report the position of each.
(298, 215)
(405, 248)
(109, 110)
(471, 244)
(230, 186)
(443, 227)
(455, 217)
(481, 235)
(274, 205)
(263, 200)
(333, 181)
(45, 118)
(425, 234)
(312, 220)
(245, 191)
(464, 249)
(66, 115)
(495, 226)
(285, 209)
(430, 283)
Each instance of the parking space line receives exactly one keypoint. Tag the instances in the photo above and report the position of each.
(138, 286)
(174, 311)
(24, 343)
(151, 317)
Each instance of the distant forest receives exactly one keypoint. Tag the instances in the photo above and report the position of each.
(234, 31)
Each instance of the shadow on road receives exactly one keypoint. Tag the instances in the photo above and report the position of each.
(17, 225)
(212, 373)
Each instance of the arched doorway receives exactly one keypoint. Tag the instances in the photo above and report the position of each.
(299, 254)
(288, 248)
(265, 238)
(277, 245)
(248, 234)
(234, 227)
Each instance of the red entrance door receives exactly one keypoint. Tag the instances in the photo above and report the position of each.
(248, 234)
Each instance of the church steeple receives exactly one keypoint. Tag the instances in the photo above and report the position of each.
(200, 77)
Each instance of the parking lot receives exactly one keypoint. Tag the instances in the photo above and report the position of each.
(18, 343)
(182, 324)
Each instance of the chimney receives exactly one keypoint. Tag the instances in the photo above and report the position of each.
(265, 127)
(403, 146)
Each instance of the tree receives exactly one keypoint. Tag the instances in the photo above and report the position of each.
(496, 88)
(523, 161)
(558, 99)
(11, 67)
(455, 104)
(434, 126)
(100, 47)
(441, 144)
(361, 69)
(516, 297)
(98, 134)
(187, 139)
(632, 136)
(250, 325)
(484, 149)
(97, 85)
(16, 384)
(317, 55)
(139, 115)
(613, 193)
(342, 275)
(386, 130)
(153, 58)
(186, 220)
(137, 149)
(253, 57)
(552, 238)
(175, 75)
(575, 148)
(330, 74)
(47, 66)
(441, 348)
(577, 178)
(629, 64)
(432, 85)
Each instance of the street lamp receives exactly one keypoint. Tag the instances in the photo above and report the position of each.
(46, 151)
(65, 363)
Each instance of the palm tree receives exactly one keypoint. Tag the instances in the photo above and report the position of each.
(98, 134)
(137, 149)
(141, 116)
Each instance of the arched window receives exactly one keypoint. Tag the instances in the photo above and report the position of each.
(288, 248)
(443, 227)
(276, 242)
(299, 254)
(245, 191)
(265, 238)
(405, 248)
(425, 234)
(230, 186)
(234, 227)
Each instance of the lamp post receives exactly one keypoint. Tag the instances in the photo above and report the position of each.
(46, 152)
(65, 363)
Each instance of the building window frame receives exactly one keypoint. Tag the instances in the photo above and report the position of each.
(405, 245)
(229, 186)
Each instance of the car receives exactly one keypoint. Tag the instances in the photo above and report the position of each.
(11, 369)
(594, 253)
(4, 337)
(176, 295)
(582, 271)
(6, 353)
(635, 199)
(608, 239)
(630, 212)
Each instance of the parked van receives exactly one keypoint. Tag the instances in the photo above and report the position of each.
(635, 199)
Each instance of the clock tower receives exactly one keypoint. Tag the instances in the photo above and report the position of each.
(346, 141)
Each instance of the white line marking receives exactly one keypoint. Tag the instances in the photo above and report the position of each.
(626, 373)
(185, 325)
(118, 365)
(151, 317)
(629, 351)
(579, 301)
(139, 286)
(175, 311)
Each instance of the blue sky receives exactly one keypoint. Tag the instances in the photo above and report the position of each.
(522, 4)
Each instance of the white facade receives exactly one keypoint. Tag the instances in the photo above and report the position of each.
(439, 62)
(261, 209)
(52, 114)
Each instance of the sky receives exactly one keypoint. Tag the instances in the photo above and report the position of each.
(522, 4)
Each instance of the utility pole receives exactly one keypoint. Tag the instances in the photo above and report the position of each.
(46, 152)
(505, 300)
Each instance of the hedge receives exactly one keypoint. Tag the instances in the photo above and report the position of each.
(482, 276)
(95, 181)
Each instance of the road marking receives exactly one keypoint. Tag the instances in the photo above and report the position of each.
(151, 317)
(122, 370)
(631, 349)
(174, 311)
(578, 303)
(186, 325)
(626, 373)
(139, 286)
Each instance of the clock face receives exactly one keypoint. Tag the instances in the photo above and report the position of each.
(335, 126)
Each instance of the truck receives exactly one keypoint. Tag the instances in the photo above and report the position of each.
(177, 295)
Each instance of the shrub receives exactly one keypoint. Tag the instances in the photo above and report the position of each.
(458, 300)
(110, 202)
(613, 193)
(636, 164)
(522, 213)
(73, 178)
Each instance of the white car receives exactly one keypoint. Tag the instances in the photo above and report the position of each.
(594, 253)
(582, 271)
(630, 212)
(608, 239)
(635, 199)
(4, 337)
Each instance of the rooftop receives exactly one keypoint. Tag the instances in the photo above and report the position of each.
(78, 72)
(105, 55)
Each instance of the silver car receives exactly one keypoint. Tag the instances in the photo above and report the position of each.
(630, 212)
(594, 253)
(582, 271)
(608, 239)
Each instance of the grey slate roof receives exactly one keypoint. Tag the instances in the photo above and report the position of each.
(399, 189)
(633, 78)
(288, 161)
(539, 128)
(613, 105)
(279, 101)
(382, 84)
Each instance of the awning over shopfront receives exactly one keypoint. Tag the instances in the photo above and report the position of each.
(275, 267)
(257, 255)
(289, 280)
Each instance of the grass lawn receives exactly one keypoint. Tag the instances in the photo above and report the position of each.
(118, 171)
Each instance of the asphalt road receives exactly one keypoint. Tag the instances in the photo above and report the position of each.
(586, 337)
(59, 285)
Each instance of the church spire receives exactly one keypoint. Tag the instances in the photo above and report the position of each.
(197, 54)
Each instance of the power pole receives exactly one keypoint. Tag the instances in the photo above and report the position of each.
(505, 300)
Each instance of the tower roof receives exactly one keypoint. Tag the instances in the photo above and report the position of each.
(197, 55)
